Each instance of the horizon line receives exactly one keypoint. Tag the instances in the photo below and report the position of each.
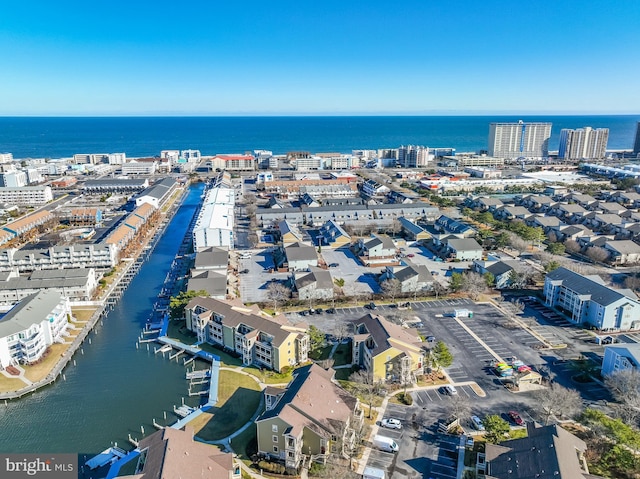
(311, 115)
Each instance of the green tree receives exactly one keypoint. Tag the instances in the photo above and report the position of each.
(178, 303)
(551, 265)
(455, 283)
(316, 338)
(442, 355)
(556, 248)
(502, 240)
(490, 279)
(495, 428)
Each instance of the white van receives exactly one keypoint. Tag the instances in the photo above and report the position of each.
(385, 443)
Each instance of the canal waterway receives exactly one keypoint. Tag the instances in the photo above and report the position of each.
(114, 388)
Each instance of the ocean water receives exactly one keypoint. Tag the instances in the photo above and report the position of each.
(28, 137)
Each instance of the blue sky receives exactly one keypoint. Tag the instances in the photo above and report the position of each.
(139, 57)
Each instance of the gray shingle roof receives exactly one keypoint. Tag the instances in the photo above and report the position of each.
(464, 244)
(582, 285)
(31, 310)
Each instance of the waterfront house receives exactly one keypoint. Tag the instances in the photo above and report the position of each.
(309, 419)
(390, 353)
(587, 300)
(158, 194)
(174, 453)
(31, 326)
(259, 338)
(212, 258)
(212, 281)
(77, 284)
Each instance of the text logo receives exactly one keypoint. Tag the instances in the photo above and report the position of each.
(49, 466)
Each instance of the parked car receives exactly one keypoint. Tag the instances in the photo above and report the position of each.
(371, 306)
(431, 339)
(333, 265)
(304, 313)
(319, 310)
(331, 310)
(450, 390)
(515, 417)
(244, 271)
(477, 423)
(470, 442)
(391, 423)
(410, 255)
(312, 311)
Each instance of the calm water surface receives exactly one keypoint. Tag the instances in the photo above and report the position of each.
(114, 388)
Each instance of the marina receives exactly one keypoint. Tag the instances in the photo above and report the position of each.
(114, 371)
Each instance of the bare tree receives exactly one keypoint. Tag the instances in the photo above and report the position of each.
(459, 406)
(396, 227)
(632, 282)
(556, 400)
(391, 288)
(625, 388)
(278, 293)
(473, 284)
(572, 246)
(251, 209)
(438, 288)
(366, 386)
(552, 237)
(341, 330)
(250, 199)
(597, 254)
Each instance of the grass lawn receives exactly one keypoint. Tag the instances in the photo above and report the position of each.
(269, 377)
(321, 354)
(83, 314)
(10, 384)
(225, 358)
(238, 399)
(36, 372)
(343, 374)
(244, 440)
(342, 356)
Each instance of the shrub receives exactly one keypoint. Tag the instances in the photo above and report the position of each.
(273, 467)
(405, 398)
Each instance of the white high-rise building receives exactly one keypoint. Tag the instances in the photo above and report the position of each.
(519, 140)
(583, 143)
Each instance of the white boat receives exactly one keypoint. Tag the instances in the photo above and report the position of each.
(108, 456)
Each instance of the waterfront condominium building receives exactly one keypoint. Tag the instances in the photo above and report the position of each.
(583, 143)
(214, 225)
(636, 144)
(259, 338)
(31, 326)
(519, 140)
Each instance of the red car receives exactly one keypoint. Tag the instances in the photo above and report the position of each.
(410, 255)
(515, 417)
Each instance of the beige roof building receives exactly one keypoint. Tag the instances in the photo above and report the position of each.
(312, 416)
(173, 454)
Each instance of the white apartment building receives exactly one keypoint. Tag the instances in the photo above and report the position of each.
(31, 326)
(100, 255)
(309, 164)
(14, 179)
(191, 156)
(90, 158)
(26, 195)
(519, 140)
(343, 162)
(117, 158)
(233, 162)
(264, 176)
(214, 226)
(34, 176)
(139, 168)
(411, 156)
(77, 284)
(583, 143)
(6, 157)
